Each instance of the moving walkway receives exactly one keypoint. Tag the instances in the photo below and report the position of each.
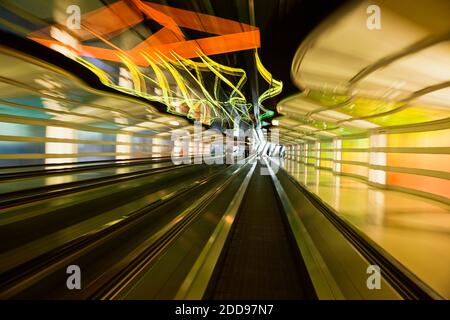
(260, 259)
(227, 232)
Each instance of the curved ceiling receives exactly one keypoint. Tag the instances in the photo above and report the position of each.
(356, 80)
(181, 55)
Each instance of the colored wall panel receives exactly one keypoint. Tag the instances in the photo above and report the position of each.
(326, 163)
(355, 169)
(438, 138)
(355, 156)
(438, 162)
(356, 143)
(437, 186)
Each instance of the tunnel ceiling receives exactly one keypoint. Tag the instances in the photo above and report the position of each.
(196, 58)
(355, 80)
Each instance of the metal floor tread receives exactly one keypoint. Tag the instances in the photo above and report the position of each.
(259, 260)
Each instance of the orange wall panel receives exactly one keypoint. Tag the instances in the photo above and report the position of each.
(438, 162)
(354, 169)
(437, 186)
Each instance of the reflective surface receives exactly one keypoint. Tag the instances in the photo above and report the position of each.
(365, 114)
(414, 230)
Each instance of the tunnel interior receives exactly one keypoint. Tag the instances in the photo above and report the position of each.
(225, 150)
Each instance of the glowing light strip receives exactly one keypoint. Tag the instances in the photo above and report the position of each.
(275, 86)
(173, 55)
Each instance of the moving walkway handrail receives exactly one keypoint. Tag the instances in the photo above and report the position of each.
(77, 167)
(324, 285)
(122, 280)
(16, 279)
(20, 197)
(77, 163)
(196, 282)
(404, 281)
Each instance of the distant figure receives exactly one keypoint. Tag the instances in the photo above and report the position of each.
(247, 147)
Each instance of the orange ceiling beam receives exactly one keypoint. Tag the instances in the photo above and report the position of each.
(230, 36)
